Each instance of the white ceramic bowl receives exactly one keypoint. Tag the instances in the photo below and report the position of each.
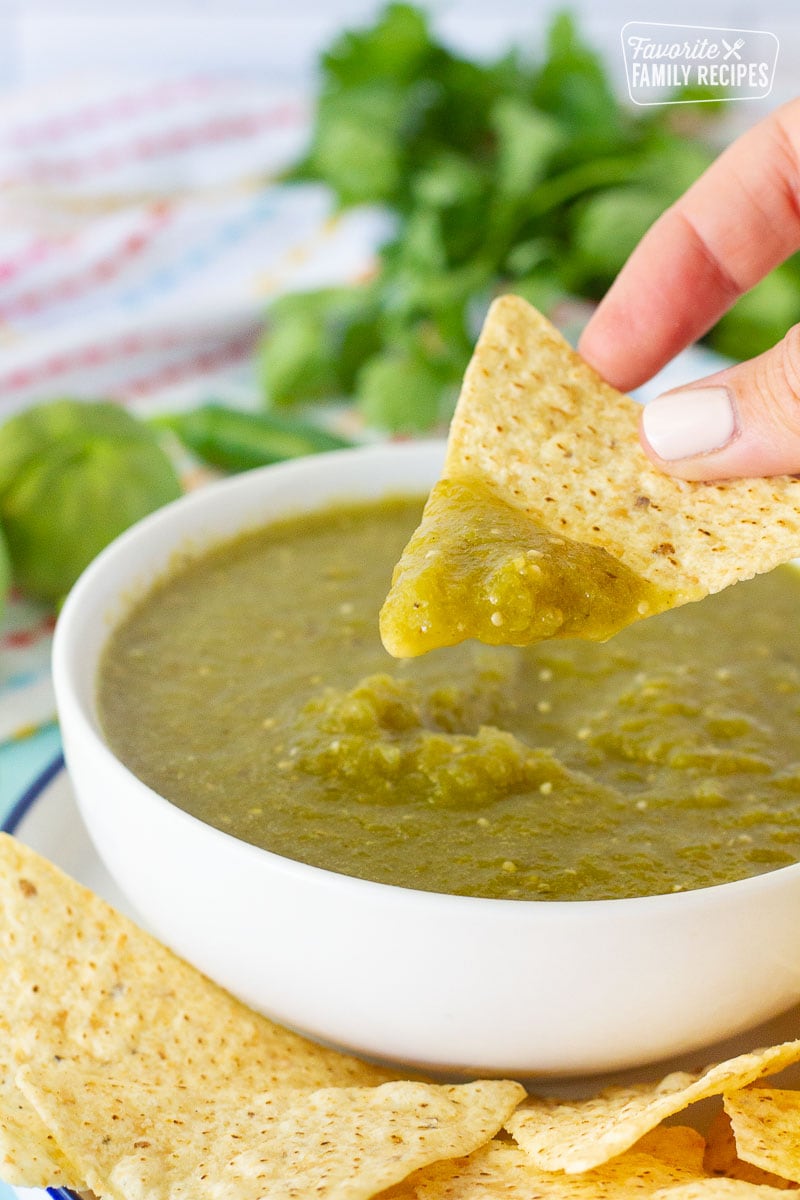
(517, 987)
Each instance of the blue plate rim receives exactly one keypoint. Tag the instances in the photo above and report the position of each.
(32, 793)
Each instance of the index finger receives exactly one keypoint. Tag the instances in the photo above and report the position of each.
(738, 221)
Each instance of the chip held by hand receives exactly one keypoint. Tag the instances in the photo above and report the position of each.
(549, 521)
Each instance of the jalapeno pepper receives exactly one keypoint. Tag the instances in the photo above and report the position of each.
(237, 441)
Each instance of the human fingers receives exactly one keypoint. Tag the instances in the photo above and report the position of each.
(739, 422)
(738, 221)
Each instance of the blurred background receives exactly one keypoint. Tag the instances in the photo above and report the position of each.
(46, 41)
(234, 201)
(139, 231)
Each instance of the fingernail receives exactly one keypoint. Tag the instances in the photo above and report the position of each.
(689, 422)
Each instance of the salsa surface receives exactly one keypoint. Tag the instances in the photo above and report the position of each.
(251, 689)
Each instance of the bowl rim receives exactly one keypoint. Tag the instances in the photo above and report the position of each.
(85, 722)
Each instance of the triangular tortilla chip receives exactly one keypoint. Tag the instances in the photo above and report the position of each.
(574, 1136)
(173, 1143)
(29, 1156)
(551, 522)
(502, 1171)
(766, 1125)
(83, 981)
(722, 1157)
(718, 1189)
(79, 980)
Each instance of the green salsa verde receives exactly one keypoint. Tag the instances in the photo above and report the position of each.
(251, 689)
(477, 568)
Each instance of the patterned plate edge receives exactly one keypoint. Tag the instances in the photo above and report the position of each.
(32, 794)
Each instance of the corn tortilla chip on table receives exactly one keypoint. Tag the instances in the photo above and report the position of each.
(722, 1155)
(93, 1002)
(125, 1070)
(549, 520)
(563, 1136)
(766, 1127)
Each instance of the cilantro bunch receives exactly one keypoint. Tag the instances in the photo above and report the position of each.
(520, 175)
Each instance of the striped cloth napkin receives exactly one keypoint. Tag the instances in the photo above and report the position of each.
(142, 236)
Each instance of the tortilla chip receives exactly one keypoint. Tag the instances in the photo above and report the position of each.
(80, 981)
(527, 379)
(85, 982)
(168, 1143)
(721, 1157)
(29, 1156)
(718, 1189)
(502, 1171)
(677, 1146)
(562, 1135)
(557, 446)
(766, 1125)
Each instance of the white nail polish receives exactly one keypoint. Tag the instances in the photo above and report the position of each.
(689, 422)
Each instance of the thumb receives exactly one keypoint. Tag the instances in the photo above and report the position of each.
(739, 422)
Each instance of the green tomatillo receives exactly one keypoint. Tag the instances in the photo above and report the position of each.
(73, 475)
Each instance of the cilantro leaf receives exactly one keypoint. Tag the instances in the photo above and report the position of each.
(526, 172)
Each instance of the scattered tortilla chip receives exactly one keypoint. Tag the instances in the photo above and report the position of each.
(721, 1157)
(551, 522)
(677, 1146)
(80, 981)
(85, 982)
(502, 1171)
(29, 1156)
(766, 1125)
(173, 1143)
(561, 1135)
(125, 1070)
(718, 1189)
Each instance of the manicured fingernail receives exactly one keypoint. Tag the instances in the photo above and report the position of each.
(693, 421)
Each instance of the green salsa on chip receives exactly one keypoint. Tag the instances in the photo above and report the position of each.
(478, 568)
(251, 689)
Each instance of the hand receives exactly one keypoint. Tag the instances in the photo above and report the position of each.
(737, 222)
